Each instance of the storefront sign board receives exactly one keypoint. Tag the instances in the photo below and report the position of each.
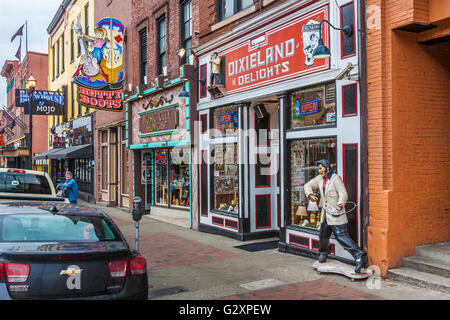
(281, 53)
(43, 102)
(159, 120)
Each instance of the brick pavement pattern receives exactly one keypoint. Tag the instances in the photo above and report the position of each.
(164, 250)
(310, 290)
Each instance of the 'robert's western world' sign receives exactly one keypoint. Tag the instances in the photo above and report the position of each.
(100, 73)
(283, 52)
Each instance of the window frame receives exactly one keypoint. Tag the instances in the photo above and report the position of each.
(143, 64)
(183, 39)
(161, 21)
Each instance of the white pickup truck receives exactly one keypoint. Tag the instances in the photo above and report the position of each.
(27, 185)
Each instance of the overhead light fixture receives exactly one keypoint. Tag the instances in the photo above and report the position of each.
(183, 93)
(321, 51)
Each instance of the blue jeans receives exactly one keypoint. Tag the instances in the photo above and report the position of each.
(73, 202)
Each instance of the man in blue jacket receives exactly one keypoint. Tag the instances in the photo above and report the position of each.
(71, 187)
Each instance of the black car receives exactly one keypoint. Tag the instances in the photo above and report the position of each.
(63, 251)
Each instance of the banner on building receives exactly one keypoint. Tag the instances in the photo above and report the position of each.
(43, 102)
(100, 72)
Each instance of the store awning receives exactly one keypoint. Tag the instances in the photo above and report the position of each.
(44, 155)
(76, 152)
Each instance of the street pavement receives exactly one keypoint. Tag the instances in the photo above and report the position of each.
(185, 264)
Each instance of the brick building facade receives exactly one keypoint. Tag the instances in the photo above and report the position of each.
(16, 145)
(112, 170)
(408, 99)
(160, 123)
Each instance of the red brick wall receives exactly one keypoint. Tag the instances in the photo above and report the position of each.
(408, 137)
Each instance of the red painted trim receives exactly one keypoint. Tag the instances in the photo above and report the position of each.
(270, 211)
(278, 211)
(257, 134)
(342, 34)
(356, 100)
(270, 163)
(202, 193)
(204, 117)
(333, 250)
(217, 224)
(230, 227)
(332, 245)
(357, 178)
(206, 80)
(299, 245)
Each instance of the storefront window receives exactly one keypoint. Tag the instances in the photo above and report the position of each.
(226, 178)
(161, 159)
(179, 177)
(313, 107)
(225, 121)
(304, 153)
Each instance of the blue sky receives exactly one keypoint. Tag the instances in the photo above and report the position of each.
(13, 13)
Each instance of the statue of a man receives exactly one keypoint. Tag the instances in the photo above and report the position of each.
(334, 219)
(215, 69)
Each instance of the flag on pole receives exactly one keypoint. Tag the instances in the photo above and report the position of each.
(18, 33)
(6, 121)
(19, 52)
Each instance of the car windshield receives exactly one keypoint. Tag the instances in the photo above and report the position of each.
(24, 183)
(44, 228)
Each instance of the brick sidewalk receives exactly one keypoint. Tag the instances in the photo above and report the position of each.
(164, 250)
(310, 290)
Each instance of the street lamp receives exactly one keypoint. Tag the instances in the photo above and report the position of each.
(183, 93)
(321, 51)
(30, 86)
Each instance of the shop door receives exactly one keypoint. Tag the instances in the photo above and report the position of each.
(263, 167)
(147, 165)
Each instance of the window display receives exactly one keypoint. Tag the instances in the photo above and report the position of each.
(225, 121)
(161, 177)
(179, 177)
(314, 106)
(226, 178)
(304, 153)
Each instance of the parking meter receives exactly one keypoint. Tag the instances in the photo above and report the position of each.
(137, 215)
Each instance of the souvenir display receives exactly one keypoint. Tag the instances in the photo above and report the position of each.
(304, 153)
(226, 179)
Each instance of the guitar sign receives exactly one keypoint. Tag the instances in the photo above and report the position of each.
(100, 72)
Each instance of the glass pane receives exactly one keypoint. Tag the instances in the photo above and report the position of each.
(225, 121)
(24, 183)
(226, 178)
(314, 106)
(42, 227)
(304, 153)
(161, 177)
(228, 8)
(246, 3)
(179, 177)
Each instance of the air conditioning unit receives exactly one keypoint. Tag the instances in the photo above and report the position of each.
(165, 71)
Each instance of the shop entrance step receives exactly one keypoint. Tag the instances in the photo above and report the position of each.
(420, 279)
(429, 268)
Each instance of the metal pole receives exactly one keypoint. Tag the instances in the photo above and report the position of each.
(136, 243)
(30, 131)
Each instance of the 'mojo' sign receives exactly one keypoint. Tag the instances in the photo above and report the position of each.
(281, 53)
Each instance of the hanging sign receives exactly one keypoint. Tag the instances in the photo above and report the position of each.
(100, 72)
(281, 53)
(43, 102)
